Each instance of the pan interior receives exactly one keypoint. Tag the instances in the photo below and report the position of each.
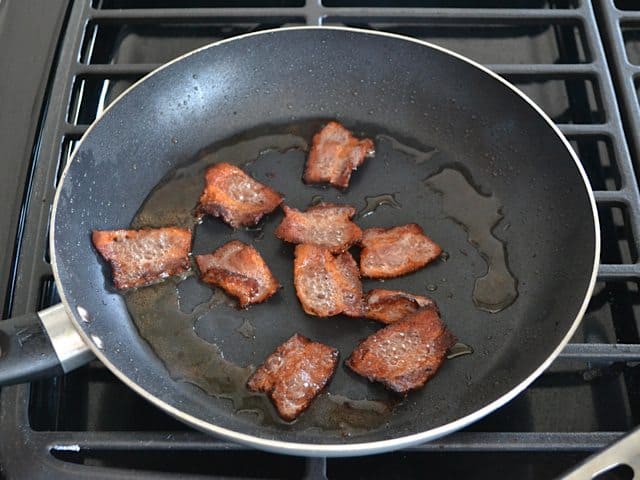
(208, 106)
(213, 342)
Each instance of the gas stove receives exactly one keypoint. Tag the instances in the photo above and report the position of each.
(66, 61)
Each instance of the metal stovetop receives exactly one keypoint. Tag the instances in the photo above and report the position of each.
(68, 60)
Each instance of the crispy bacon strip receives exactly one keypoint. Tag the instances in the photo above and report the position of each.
(143, 257)
(348, 280)
(327, 285)
(239, 269)
(334, 154)
(326, 225)
(295, 374)
(404, 355)
(391, 252)
(388, 306)
(234, 196)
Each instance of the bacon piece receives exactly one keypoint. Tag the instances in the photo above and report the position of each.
(326, 224)
(388, 306)
(238, 269)
(327, 285)
(405, 354)
(391, 252)
(236, 197)
(143, 257)
(295, 374)
(314, 279)
(349, 283)
(334, 154)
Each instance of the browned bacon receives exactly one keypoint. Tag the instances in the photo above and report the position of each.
(234, 196)
(388, 306)
(334, 154)
(295, 374)
(404, 355)
(143, 257)
(391, 252)
(326, 225)
(238, 269)
(327, 285)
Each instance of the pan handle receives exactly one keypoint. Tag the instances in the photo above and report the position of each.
(625, 453)
(38, 345)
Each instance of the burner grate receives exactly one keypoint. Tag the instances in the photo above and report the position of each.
(87, 423)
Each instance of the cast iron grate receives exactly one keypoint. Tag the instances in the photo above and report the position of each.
(88, 424)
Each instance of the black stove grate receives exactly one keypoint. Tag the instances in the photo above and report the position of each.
(559, 52)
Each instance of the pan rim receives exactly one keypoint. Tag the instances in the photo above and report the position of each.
(336, 449)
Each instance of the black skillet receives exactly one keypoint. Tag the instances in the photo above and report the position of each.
(210, 106)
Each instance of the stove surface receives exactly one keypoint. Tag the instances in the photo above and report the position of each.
(577, 60)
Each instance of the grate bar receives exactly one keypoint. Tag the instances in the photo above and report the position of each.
(521, 442)
(574, 129)
(460, 441)
(634, 70)
(454, 16)
(623, 271)
(561, 71)
(602, 352)
(75, 130)
(194, 15)
(608, 197)
(626, 15)
(116, 69)
(516, 16)
(552, 70)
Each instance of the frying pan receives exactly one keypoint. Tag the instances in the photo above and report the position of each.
(288, 82)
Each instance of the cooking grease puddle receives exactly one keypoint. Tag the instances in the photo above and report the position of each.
(458, 350)
(187, 357)
(373, 202)
(478, 214)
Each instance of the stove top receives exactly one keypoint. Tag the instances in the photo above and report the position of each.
(579, 61)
